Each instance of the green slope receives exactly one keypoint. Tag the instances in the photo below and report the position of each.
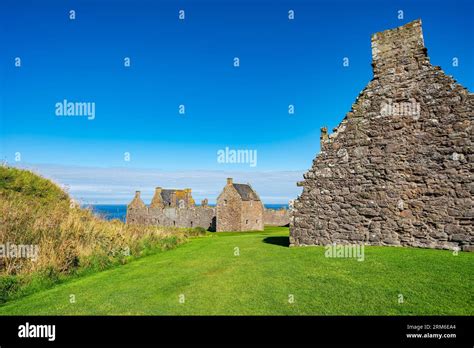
(259, 281)
(28, 185)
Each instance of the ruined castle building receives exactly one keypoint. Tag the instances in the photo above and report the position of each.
(239, 208)
(171, 208)
(398, 168)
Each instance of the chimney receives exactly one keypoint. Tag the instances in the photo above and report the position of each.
(229, 181)
(399, 51)
(156, 201)
(189, 197)
(173, 202)
(137, 202)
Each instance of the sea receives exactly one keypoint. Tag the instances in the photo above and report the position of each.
(119, 211)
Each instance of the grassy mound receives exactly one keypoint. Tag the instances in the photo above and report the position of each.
(16, 183)
(63, 239)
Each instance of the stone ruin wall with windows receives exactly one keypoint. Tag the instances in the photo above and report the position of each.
(398, 169)
(173, 217)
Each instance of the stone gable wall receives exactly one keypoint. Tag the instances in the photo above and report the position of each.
(391, 173)
(229, 210)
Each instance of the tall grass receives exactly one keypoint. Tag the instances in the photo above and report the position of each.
(70, 240)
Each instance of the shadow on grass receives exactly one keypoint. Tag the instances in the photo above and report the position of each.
(281, 241)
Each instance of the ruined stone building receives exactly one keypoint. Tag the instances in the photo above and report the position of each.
(172, 208)
(398, 168)
(238, 208)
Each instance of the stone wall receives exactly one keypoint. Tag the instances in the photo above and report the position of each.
(252, 216)
(174, 217)
(398, 169)
(273, 217)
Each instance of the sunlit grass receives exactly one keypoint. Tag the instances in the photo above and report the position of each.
(256, 273)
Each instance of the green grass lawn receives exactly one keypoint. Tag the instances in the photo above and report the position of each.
(261, 280)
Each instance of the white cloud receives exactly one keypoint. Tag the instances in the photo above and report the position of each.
(96, 185)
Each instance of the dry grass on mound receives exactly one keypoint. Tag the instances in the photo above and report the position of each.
(68, 238)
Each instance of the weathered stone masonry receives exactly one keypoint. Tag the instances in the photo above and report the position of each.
(398, 169)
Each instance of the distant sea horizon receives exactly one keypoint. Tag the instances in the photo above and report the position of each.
(119, 211)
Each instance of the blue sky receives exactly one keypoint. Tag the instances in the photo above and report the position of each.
(190, 62)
